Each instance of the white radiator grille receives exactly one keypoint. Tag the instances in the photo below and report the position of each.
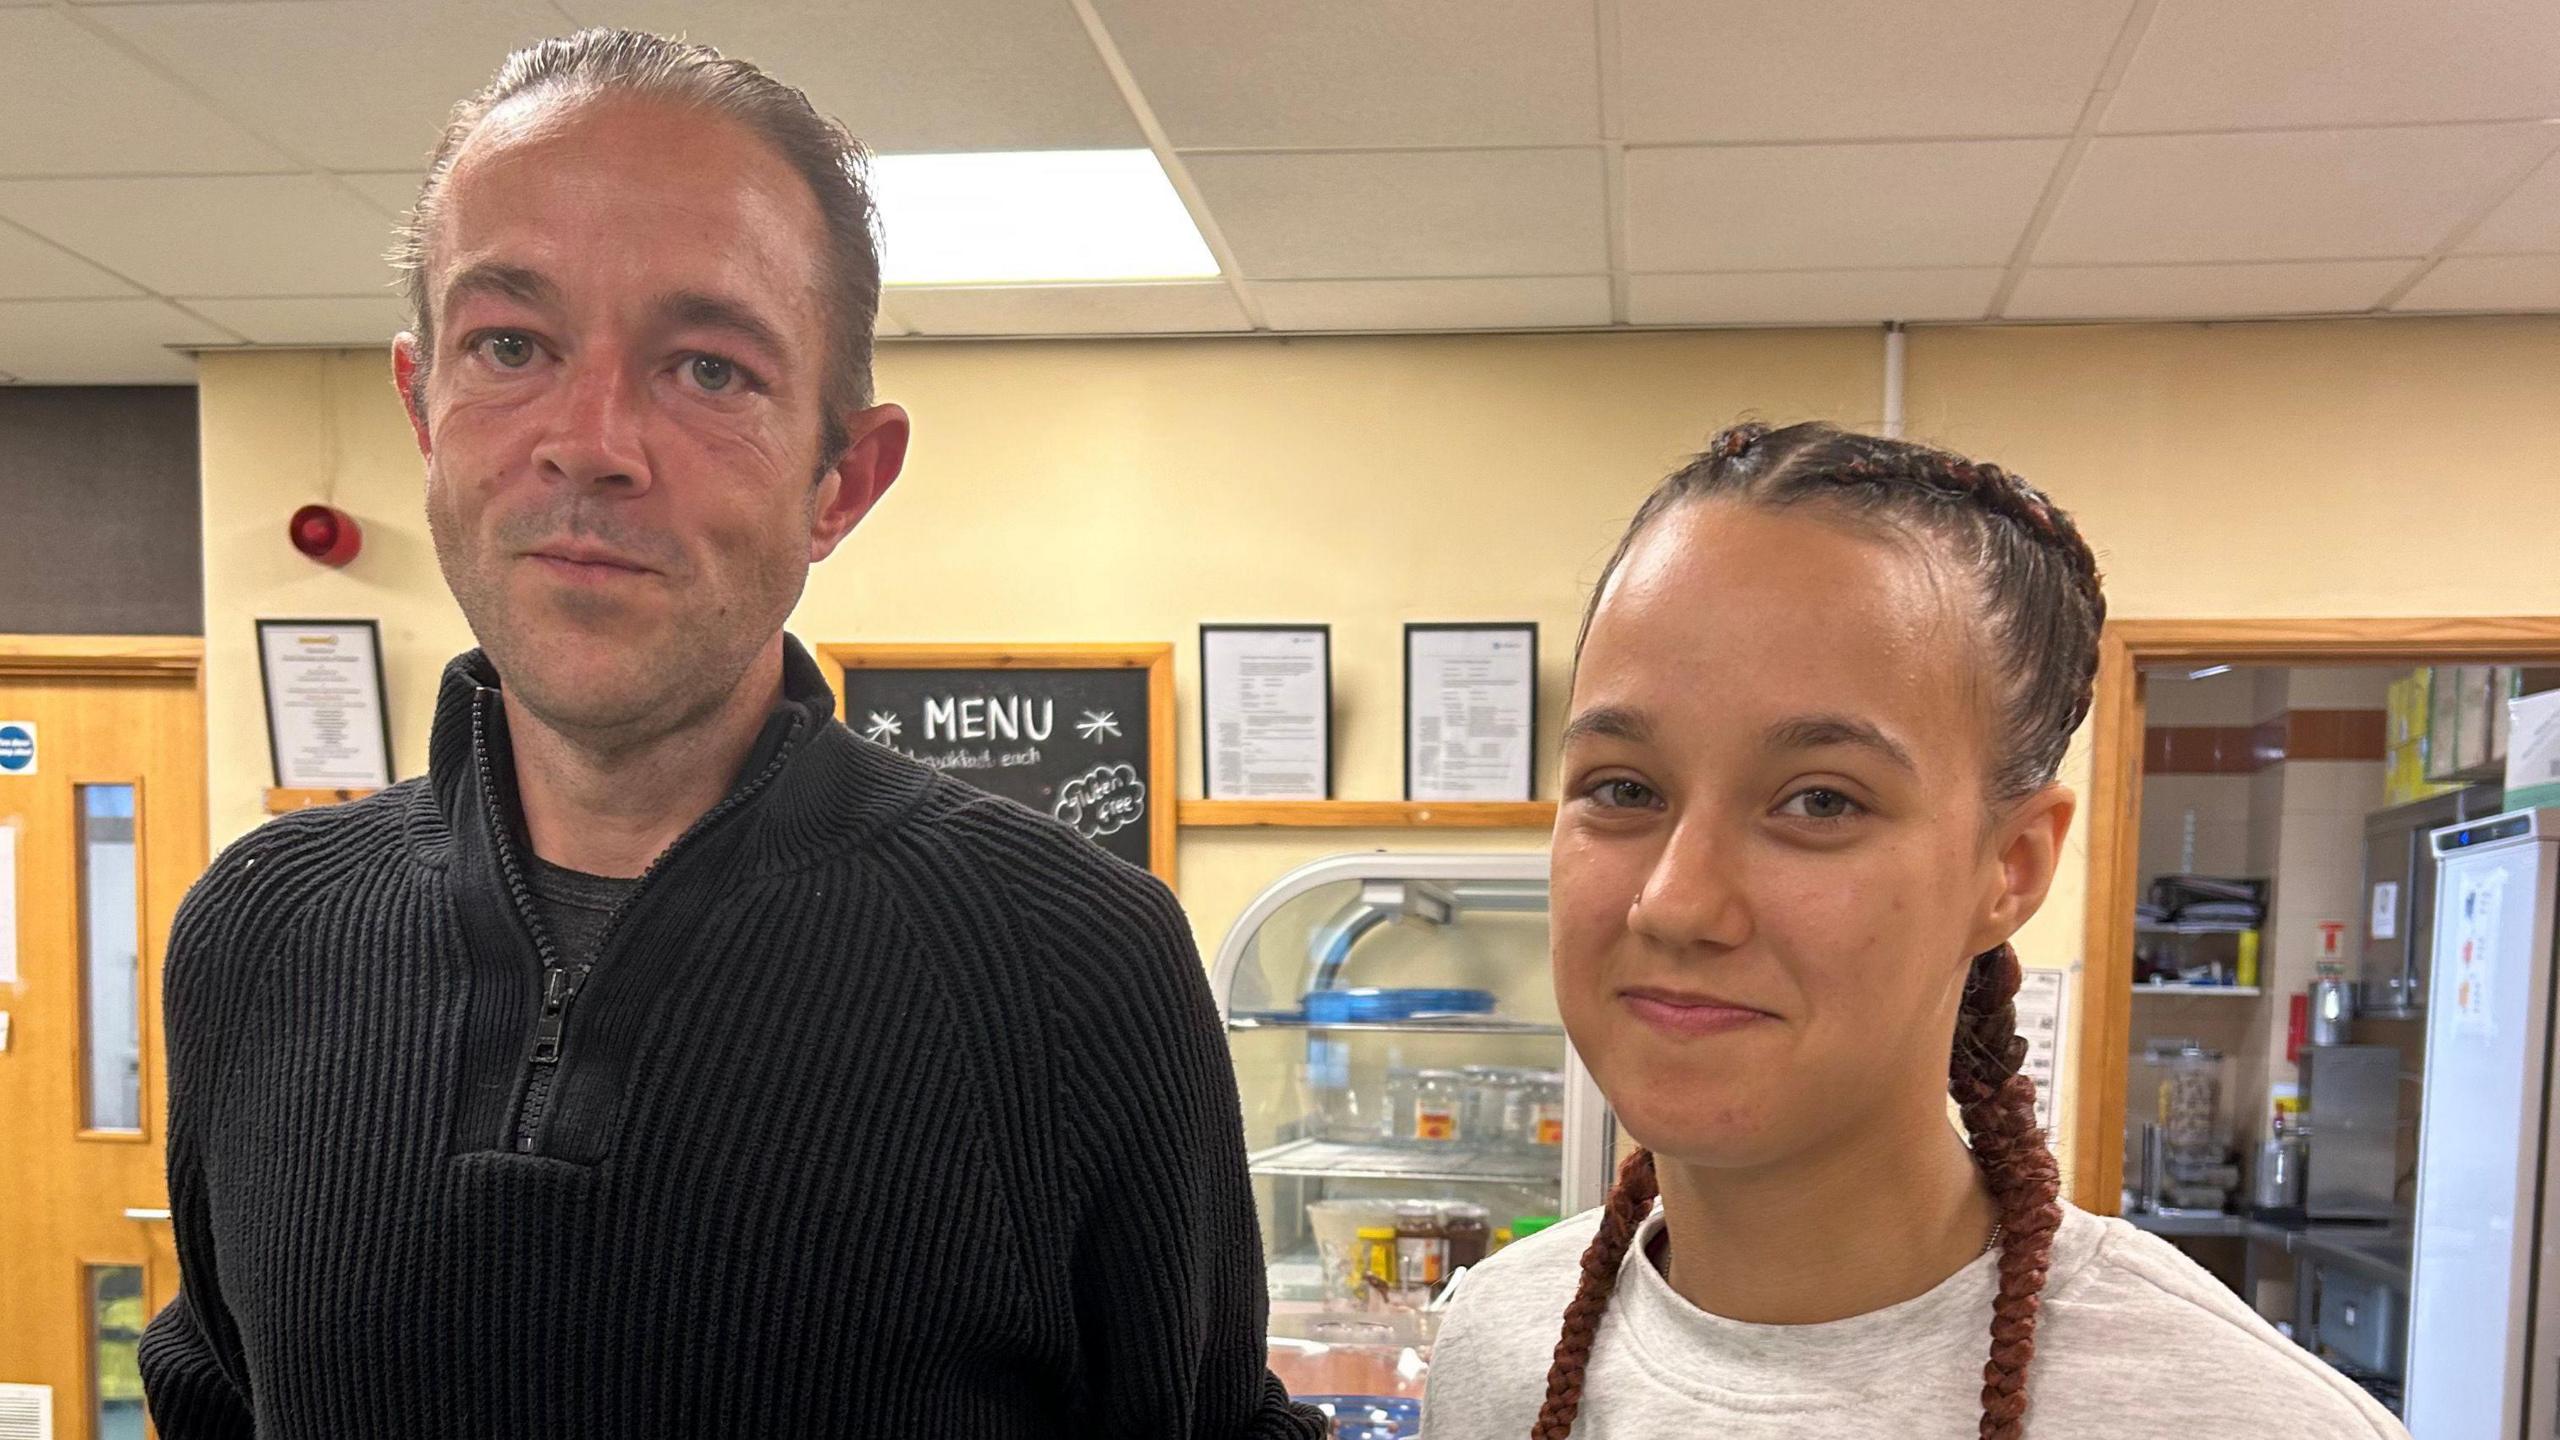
(26, 1412)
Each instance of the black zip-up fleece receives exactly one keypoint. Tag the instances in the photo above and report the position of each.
(887, 1108)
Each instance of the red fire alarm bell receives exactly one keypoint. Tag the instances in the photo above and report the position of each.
(326, 534)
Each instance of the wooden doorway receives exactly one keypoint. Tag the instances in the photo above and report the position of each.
(2097, 1113)
(102, 801)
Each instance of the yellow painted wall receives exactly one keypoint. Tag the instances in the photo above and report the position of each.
(1094, 491)
(1129, 490)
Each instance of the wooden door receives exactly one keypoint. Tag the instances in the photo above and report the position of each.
(102, 796)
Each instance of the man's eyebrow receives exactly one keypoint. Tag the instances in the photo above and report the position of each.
(1609, 722)
(489, 277)
(695, 310)
(1816, 732)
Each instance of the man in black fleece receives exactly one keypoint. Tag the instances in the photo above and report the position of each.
(668, 1061)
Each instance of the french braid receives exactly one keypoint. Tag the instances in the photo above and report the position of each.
(2043, 599)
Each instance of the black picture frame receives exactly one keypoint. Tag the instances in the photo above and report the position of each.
(1208, 724)
(1529, 765)
(267, 693)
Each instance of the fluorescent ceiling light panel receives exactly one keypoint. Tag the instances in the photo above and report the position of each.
(1034, 216)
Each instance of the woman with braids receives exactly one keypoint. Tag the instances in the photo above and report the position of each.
(1819, 703)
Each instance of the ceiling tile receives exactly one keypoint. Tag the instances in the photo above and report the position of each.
(311, 320)
(1832, 206)
(100, 342)
(2529, 219)
(234, 235)
(910, 78)
(2488, 282)
(2304, 195)
(1863, 69)
(1386, 214)
(31, 269)
(1250, 74)
(2216, 65)
(1811, 297)
(360, 85)
(2159, 292)
(1190, 307)
(1527, 303)
(73, 104)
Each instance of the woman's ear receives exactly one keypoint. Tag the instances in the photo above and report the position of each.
(2026, 849)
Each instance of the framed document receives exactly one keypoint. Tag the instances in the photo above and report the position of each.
(1266, 712)
(2044, 1000)
(1470, 711)
(328, 727)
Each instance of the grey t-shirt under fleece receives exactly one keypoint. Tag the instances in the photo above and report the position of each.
(574, 906)
(2134, 1341)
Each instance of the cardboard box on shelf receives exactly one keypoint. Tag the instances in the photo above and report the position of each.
(2404, 775)
(2443, 755)
(2533, 758)
(2471, 706)
(2400, 723)
(2514, 682)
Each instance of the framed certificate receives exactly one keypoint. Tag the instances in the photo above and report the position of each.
(1266, 712)
(328, 727)
(1470, 711)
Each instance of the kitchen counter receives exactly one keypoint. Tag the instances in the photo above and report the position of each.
(2380, 1251)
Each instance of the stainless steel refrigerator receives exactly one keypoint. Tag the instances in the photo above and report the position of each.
(2484, 1332)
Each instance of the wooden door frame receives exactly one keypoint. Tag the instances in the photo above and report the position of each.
(115, 657)
(2114, 810)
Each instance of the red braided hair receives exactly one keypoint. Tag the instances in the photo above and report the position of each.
(2041, 596)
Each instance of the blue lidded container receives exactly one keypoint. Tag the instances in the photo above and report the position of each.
(1378, 1003)
(1369, 1417)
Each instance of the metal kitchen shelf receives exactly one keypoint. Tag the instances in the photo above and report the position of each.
(2195, 927)
(1433, 1025)
(1344, 1160)
(2241, 991)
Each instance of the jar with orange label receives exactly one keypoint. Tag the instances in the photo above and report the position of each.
(1545, 1112)
(1439, 1102)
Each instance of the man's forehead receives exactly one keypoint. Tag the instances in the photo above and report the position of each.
(565, 185)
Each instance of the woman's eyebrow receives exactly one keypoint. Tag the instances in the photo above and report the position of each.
(1608, 722)
(1816, 732)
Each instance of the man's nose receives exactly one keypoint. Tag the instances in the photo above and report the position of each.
(592, 437)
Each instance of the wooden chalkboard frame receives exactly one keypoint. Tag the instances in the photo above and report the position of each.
(1156, 660)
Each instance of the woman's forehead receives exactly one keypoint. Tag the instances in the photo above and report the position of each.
(1748, 614)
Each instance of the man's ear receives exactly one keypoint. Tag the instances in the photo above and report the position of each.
(409, 377)
(859, 477)
(2026, 851)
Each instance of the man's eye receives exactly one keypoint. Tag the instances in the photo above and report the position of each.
(508, 351)
(713, 373)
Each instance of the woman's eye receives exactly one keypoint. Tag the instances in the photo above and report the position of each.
(507, 350)
(712, 373)
(1622, 794)
(1820, 804)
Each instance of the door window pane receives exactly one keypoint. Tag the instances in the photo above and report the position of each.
(115, 1330)
(110, 961)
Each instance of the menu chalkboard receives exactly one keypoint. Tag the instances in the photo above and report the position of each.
(1083, 733)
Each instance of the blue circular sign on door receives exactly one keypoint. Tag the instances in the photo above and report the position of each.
(17, 749)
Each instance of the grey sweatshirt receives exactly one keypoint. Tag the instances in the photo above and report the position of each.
(2134, 1340)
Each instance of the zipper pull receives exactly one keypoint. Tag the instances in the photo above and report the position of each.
(555, 1004)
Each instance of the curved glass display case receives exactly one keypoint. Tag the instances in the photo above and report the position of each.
(1410, 1100)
